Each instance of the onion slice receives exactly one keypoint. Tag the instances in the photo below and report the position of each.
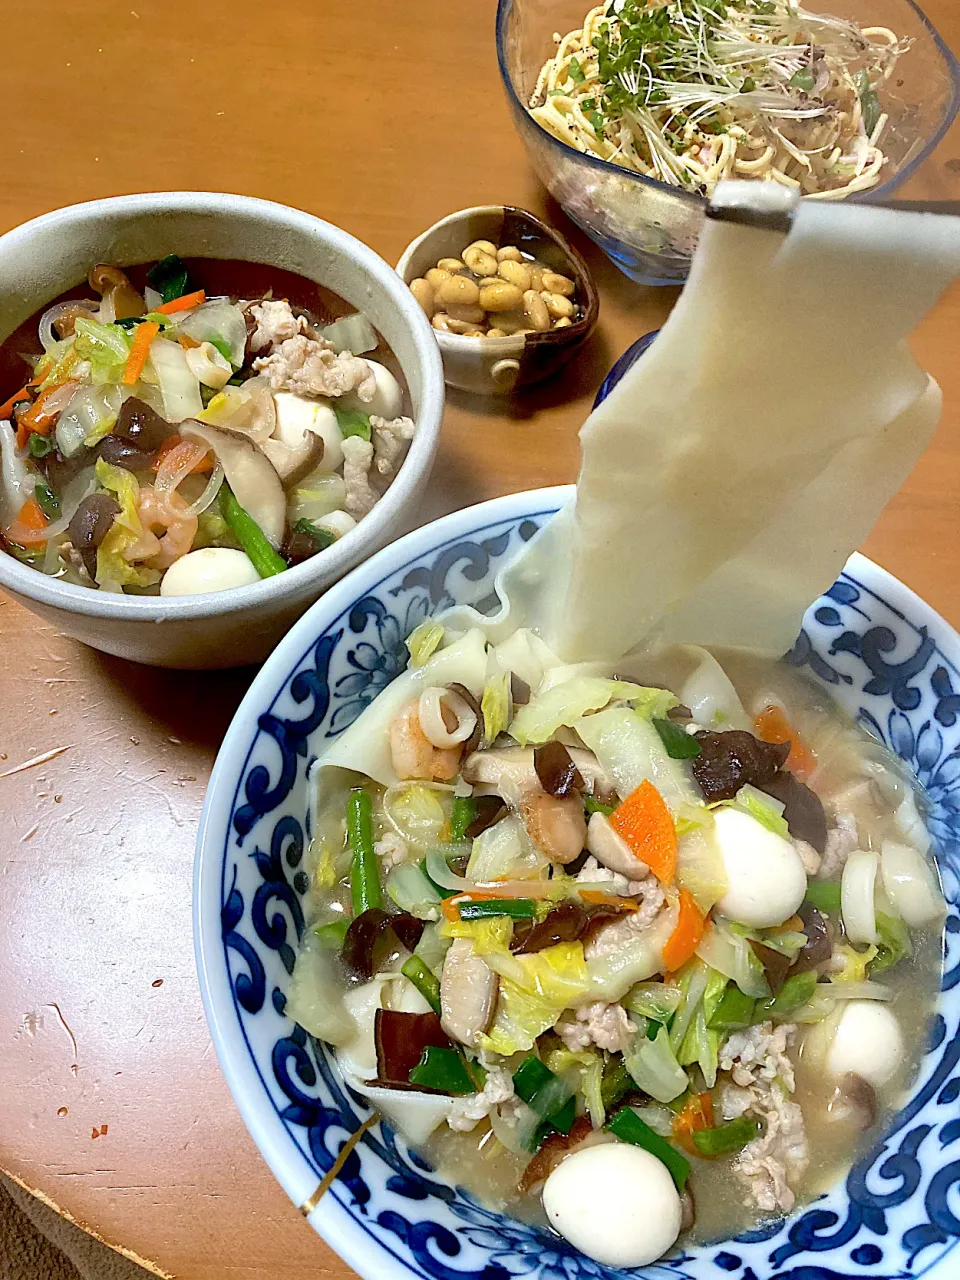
(909, 882)
(207, 497)
(857, 889)
(854, 990)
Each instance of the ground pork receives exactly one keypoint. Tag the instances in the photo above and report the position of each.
(772, 1164)
(311, 367)
(390, 439)
(275, 323)
(467, 1112)
(808, 856)
(759, 1053)
(762, 1079)
(605, 1025)
(842, 839)
(619, 933)
(391, 850)
(592, 873)
(357, 459)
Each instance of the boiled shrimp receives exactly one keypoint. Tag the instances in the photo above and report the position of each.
(415, 756)
(177, 532)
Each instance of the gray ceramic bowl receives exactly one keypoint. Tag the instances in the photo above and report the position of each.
(230, 628)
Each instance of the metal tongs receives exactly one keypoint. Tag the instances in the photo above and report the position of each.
(779, 215)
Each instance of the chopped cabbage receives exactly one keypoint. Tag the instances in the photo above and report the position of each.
(855, 964)
(410, 889)
(414, 810)
(106, 346)
(700, 867)
(325, 867)
(222, 323)
(489, 937)
(353, 333)
(531, 1001)
(700, 1044)
(315, 997)
(640, 957)
(710, 695)
(504, 852)
(730, 953)
(654, 1067)
(630, 752)
(588, 1064)
(495, 706)
(422, 640)
(656, 1000)
(761, 807)
(564, 704)
(692, 980)
(123, 484)
(224, 405)
(319, 495)
(179, 385)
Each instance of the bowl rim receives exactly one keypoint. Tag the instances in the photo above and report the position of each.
(695, 199)
(346, 551)
(333, 1220)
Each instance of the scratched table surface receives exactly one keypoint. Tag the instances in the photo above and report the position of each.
(112, 1105)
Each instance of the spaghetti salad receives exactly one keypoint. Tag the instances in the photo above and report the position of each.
(690, 92)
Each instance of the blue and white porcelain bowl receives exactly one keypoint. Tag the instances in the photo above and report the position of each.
(886, 657)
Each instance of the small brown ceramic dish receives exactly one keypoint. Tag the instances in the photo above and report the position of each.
(494, 366)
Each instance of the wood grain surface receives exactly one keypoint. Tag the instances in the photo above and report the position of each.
(381, 120)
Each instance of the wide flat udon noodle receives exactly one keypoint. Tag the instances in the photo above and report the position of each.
(729, 475)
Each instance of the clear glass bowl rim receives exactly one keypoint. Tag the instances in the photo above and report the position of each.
(694, 198)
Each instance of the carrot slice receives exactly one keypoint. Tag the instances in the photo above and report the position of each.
(137, 358)
(697, 1113)
(597, 898)
(183, 303)
(773, 726)
(685, 938)
(36, 420)
(644, 822)
(27, 529)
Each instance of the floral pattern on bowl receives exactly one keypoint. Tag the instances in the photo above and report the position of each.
(886, 657)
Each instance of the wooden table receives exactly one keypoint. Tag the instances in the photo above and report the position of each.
(112, 1104)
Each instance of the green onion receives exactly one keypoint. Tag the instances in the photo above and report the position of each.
(464, 812)
(169, 277)
(679, 744)
(333, 933)
(595, 806)
(322, 537)
(353, 423)
(364, 870)
(802, 79)
(515, 908)
(793, 995)
(39, 446)
(734, 1012)
(869, 102)
(726, 1139)
(443, 1070)
(617, 1082)
(543, 1092)
(223, 347)
(424, 979)
(628, 1127)
(251, 537)
(560, 1122)
(824, 895)
(47, 500)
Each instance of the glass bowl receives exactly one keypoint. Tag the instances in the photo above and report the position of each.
(650, 229)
